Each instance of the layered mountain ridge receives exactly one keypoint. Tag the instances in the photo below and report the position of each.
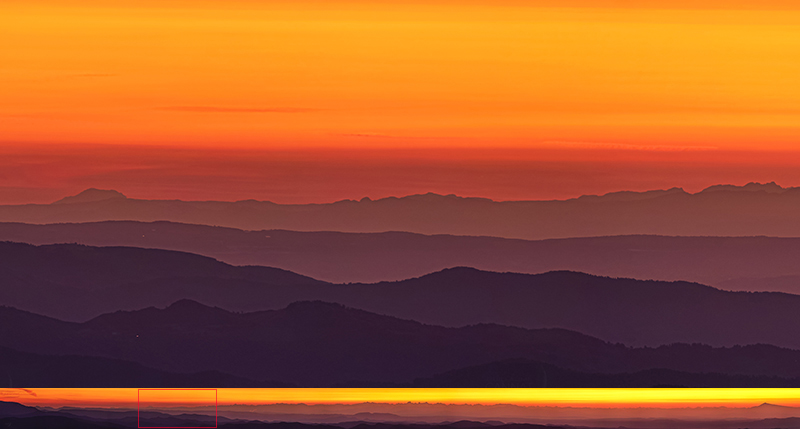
(75, 282)
(318, 344)
(732, 263)
(753, 209)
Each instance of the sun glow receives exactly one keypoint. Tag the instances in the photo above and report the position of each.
(601, 398)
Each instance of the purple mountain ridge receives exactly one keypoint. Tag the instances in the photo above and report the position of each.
(320, 344)
(733, 263)
(74, 282)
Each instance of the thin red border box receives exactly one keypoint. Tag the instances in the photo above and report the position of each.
(138, 412)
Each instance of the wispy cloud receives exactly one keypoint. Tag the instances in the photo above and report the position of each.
(625, 146)
(218, 109)
(14, 392)
(368, 135)
(93, 75)
(385, 136)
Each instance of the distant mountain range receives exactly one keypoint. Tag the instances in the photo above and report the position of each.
(318, 344)
(74, 282)
(94, 419)
(17, 416)
(724, 210)
(736, 263)
(421, 415)
(574, 416)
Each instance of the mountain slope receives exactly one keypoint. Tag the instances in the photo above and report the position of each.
(75, 282)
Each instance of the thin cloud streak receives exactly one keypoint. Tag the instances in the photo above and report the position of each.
(94, 75)
(623, 146)
(388, 136)
(215, 109)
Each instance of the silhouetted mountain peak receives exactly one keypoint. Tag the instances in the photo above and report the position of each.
(468, 424)
(315, 307)
(768, 405)
(180, 312)
(434, 197)
(770, 188)
(474, 273)
(187, 309)
(632, 195)
(462, 270)
(458, 273)
(188, 305)
(92, 195)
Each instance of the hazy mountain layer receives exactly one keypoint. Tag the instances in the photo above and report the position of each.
(738, 263)
(76, 283)
(754, 209)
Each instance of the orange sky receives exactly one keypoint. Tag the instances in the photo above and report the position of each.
(645, 397)
(44, 174)
(588, 78)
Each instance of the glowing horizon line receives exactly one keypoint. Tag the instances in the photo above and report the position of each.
(553, 397)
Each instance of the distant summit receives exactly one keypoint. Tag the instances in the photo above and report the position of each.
(768, 405)
(725, 210)
(92, 195)
(770, 188)
(632, 195)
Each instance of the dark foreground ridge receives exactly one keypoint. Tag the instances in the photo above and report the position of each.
(13, 415)
(57, 420)
(317, 344)
(119, 420)
(73, 371)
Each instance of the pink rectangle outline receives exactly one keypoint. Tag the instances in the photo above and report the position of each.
(138, 412)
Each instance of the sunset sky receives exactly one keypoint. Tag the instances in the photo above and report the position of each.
(303, 100)
(655, 397)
